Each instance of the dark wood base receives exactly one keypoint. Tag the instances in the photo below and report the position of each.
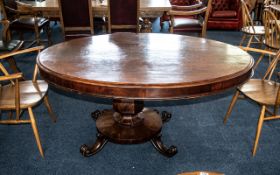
(147, 125)
(139, 126)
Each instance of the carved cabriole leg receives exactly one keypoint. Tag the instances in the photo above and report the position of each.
(98, 145)
(129, 123)
(168, 152)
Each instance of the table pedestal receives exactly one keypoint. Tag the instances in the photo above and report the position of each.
(129, 123)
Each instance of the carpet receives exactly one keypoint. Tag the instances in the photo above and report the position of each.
(196, 128)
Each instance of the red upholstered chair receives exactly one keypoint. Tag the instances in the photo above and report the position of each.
(225, 14)
(123, 16)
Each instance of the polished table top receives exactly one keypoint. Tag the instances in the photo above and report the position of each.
(145, 66)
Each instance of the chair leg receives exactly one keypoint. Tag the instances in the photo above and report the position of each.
(35, 131)
(258, 61)
(171, 29)
(37, 35)
(232, 103)
(259, 129)
(48, 31)
(261, 40)
(250, 41)
(52, 115)
(242, 40)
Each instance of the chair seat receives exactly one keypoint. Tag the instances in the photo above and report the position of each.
(28, 22)
(259, 30)
(224, 14)
(11, 45)
(30, 94)
(187, 23)
(261, 91)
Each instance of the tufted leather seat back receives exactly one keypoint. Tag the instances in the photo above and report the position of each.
(225, 14)
(221, 5)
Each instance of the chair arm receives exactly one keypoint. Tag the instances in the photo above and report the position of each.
(187, 13)
(189, 7)
(11, 77)
(33, 49)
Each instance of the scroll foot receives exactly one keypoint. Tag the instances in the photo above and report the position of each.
(165, 116)
(98, 145)
(168, 152)
(95, 115)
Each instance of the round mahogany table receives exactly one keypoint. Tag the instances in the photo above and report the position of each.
(131, 68)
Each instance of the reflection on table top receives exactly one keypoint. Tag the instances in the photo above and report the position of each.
(146, 66)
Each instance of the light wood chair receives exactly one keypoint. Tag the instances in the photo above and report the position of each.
(21, 95)
(264, 92)
(191, 18)
(201, 173)
(76, 18)
(8, 45)
(272, 30)
(120, 20)
(272, 34)
(249, 29)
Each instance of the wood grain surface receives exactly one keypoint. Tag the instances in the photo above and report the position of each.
(145, 66)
